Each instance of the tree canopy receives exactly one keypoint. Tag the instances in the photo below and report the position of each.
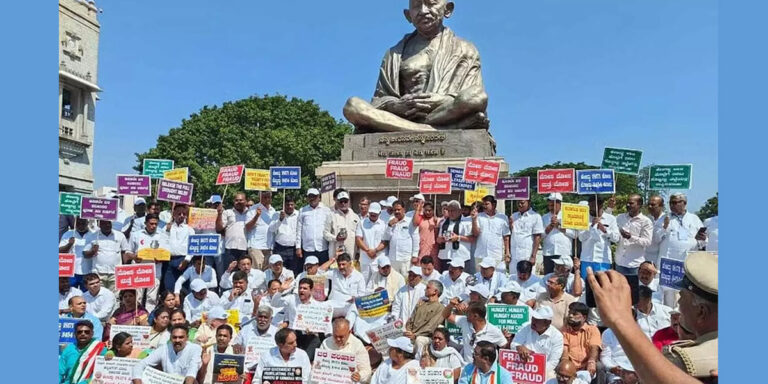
(259, 132)
(709, 209)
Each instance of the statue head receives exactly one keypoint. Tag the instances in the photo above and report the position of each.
(427, 15)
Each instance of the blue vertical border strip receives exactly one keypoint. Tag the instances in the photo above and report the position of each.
(29, 69)
(742, 138)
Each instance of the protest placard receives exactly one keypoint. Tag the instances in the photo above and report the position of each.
(139, 334)
(430, 375)
(155, 168)
(315, 317)
(380, 334)
(66, 264)
(136, 185)
(319, 282)
(70, 203)
(256, 179)
(513, 188)
(175, 191)
(332, 367)
(476, 195)
(373, 305)
(481, 171)
(435, 183)
(156, 254)
(509, 317)
(670, 176)
(622, 160)
(555, 181)
(285, 177)
(118, 370)
(153, 376)
(282, 375)
(457, 180)
(135, 276)
(67, 329)
(231, 174)
(591, 181)
(227, 368)
(575, 216)
(454, 330)
(672, 273)
(399, 169)
(328, 182)
(202, 219)
(177, 174)
(203, 245)
(98, 208)
(255, 347)
(531, 371)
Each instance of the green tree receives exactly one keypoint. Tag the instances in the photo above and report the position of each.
(259, 132)
(709, 209)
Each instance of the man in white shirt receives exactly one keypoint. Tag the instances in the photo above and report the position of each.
(428, 272)
(73, 241)
(657, 216)
(491, 228)
(596, 241)
(310, 227)
(575, 283)
(408, 296)
(527, 228)
(107, 248)
(415, 201)
(100, 302)
(647, 276)
(532, 285)
(385, 278)
(402, 238)
(455, 238)
(232, 223)
(369, 236)
(135, 222)
(240, 297)
(341, 224)
(178, 237)
(474, 327)
(66, 292)
(610, 354)
(257, 280)
(295, 304)
(285, 354)
(178, 357)
(636, 232)
(387, 210)
(540, 337)
(343, 341)
(651, 316)
(680, 230)
(454, 282)
(260, 239)
(149, 238)
(557, 241)
(283, 232)
(346, 284)
(277, 271)
(710, 235)
(489, 277)
(259, 330)
(199, 301)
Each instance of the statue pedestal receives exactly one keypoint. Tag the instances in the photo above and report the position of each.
(363, 161)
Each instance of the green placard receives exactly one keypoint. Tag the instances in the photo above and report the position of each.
(154, 168)
(670, 176)
(454, 330)
(510, 317)
(70, 203)
(622, 160)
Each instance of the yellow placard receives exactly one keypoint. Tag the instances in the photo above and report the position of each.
(476, 195)
(575, 216)
(257, 179)
(233, 318)
(156, 254)
(177, 174)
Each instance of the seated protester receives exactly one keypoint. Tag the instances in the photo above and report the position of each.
(408, 296)
(167, 300)
(401, 360)
(647, 275)
(346, 284)
(454, 282)
(99, 301)
(385, 278)
(566, 374)
(611, 352)
(197, 270)
(426, 317)
(674, 332)
(308, 341)
(240, 297)
(260, 327)
(265, 299)
(540, 336)
(477, 294)
(199, 301)
(532, 285)
(474, 327)
(122, 346)
(311, 268)
(555, 298)
(285, 354)
(256, 278)
(223, 339)
(343, 341)
(277, 272)
(77, 310)
(206, 333)
(484, 368)
(78, 359)
(563, 266)
(439, 354)
(428, 271)
(509, 295)
(129, 312)
(179, 357)
(178, 317)
(159, 334)
(651, 316)
(581, 341)
(66, 292)
(628, 374)
(489, 277)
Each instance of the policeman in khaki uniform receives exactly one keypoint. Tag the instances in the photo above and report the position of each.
(698, 309)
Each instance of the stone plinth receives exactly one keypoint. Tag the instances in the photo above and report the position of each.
(423, 145)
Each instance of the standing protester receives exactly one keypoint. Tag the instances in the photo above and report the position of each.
(135, 222)
(527, 228)
(402, 238)
(596, 241)
(149, 238)
(341, 224)
(232, 223)
(178, 237)
(491, 228)
(679, 237)
(107, 249)
(424, 218)
(658, 216)
(309, 233)
(363, 207)
(455, 238)
(636, 232)
(283, 232)
(74, 241)
(558, 241)
(710, 236)
(369, 237)
(260, 239)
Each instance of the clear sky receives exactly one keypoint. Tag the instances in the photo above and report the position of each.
(564, 78)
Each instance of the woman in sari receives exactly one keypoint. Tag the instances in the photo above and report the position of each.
(159, 334)
(167, 300)
(179, 317)
(129, 312)
(439, 354)
(122, 346)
